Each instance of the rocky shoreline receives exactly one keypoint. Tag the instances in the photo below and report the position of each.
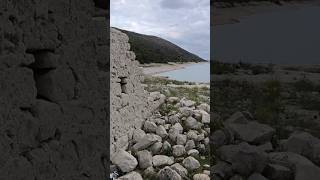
(172, 144)
(268, 125)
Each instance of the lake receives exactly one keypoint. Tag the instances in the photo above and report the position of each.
(284, 36)
(193, 73)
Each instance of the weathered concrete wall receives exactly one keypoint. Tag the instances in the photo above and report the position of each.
(53, 90)
(130, 103)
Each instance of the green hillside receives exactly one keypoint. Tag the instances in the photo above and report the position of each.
(152, 49)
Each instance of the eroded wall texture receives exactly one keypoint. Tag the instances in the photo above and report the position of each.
(130, 103)
(53, 90)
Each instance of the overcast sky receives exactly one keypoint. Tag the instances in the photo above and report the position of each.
(185, 23)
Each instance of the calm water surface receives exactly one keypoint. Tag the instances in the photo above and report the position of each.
(285, 36)
(193, 73)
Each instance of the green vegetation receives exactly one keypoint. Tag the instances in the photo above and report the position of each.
(152, 49)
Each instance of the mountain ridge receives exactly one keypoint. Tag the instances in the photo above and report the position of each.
(153, 49)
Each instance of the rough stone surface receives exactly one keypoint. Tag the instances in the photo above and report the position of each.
(191, 163)
(161, 160)
(201, 177)
(169, 174)
(56, 118)
(178, 150)
(183, 172)
(130, 103)
(144, 159)
(131, 176)
(125, 161)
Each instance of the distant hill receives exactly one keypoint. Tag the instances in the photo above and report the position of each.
(152, 49)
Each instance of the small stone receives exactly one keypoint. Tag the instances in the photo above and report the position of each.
(161, 160)
(190, 145)
(187, 103)
(145, 142)
(150, 127)
(173, 100)
(131, 176)
(191, 123)
(201, 177)
(145, 159)
(174, 119)
(125, 161)
(193, 153)
(156, 148)
(178, 150)
(200, 137)
(138, 134)
(161, 131)
(192, 135)
(149, 172)
(206, 172)
(166, 147)
(168, 174)
(181, 139)
(183, 172)
(191, 163)
(205, 117)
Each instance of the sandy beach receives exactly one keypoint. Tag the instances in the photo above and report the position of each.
(157, 68)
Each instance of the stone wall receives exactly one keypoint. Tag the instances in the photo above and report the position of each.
(53, 90)
(130, 103)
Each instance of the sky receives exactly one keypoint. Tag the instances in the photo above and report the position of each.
(185, 23)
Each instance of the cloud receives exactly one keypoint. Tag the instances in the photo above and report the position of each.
(183, 22)
(175, 4)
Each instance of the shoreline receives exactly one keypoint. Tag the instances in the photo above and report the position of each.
(158, 68)
(232, 15)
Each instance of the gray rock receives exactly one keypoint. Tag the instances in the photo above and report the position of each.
(304, 144)
(138, 134)
(156, 148)
(161, 160)
(205, 107)
(193, 153)
(173, 100)
(200, 137)
(243, 157)
(145, 159)
(176, 128)
(186, 103)
(218, 138)
(150, 172)
(205, 117)
(183, 172)
(161, 131)
(275, 171)
(181, 139)
(178, 150)
(190, 145)
(192, 123)
(222, 169)
(186, 111)
(304, 168)
(168, 174)
(145, 142)
(201, 177)
(131, 176)
(150, 127)
(258, 134)
(125, 161)
(191, 163)
(166, 147)
(193, 135)
(256, 176)
(174, 119)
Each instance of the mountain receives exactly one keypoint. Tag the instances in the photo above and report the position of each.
(152, 49)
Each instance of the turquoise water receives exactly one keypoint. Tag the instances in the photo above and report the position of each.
(193, 73)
